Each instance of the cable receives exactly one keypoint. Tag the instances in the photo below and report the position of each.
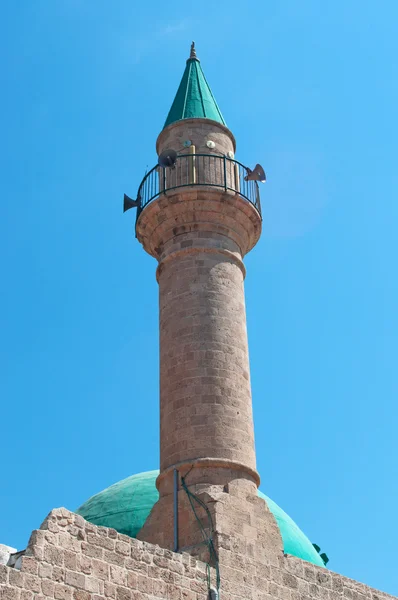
(206, 538)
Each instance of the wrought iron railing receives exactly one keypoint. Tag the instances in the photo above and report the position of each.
(198, 169)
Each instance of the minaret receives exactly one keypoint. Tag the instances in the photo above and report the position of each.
(198, 215)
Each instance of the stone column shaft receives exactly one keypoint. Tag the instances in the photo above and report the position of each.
(205, 396)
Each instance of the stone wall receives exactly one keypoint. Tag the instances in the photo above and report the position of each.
(244, 576)
(70, 559)
(198, 132)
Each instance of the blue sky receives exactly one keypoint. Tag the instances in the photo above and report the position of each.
(310, 91)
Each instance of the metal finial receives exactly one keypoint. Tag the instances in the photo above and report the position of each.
(193, 51)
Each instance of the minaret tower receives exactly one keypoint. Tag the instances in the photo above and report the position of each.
(198, 215)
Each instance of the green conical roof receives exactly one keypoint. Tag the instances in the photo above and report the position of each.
(194, 98)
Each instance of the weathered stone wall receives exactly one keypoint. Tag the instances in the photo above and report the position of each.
(198, 132)
(290, 579)
(70, 559)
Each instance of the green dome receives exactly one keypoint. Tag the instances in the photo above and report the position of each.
(125, 506)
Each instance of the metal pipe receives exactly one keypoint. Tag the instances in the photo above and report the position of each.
(175, 510)
(191, 167)
(237, 180)
(213, 594)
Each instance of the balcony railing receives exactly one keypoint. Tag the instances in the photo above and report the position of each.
(198, 169)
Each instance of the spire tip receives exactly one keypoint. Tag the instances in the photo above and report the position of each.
(193, 51)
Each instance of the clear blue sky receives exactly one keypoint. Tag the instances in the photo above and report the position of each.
(310, 91)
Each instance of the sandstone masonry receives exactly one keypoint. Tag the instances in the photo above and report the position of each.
(71, 559)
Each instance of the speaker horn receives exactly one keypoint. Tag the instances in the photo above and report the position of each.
(129, 203)
(257, 174)
(167, 158)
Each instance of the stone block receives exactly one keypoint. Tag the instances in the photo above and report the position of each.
(109, 589)
(132, 580)
(290, 580)
(81, 595)
(123, 593)
(309, 573)
(160, 589)
(145, 555)
(73, 531)
(136, 565)
(58, 574)
(29, 565)
(9, 593)
(92, 551)
(122, 548)
(50, 523)
(70, 560)
(16, 578)
(323, 578)
(79, 521)
(37, 538)
(36, 551)
(75, 579)
(174, 592)
(101, 541)
(117, 575)
(188, 595)
(176, 567)
(53, 555)
(114, 558)
(167, 576)
(92, 585)
(112, 533)
(144, 584)
(200, 587)
(47, 588)
(130, 541)
(154, 572)
(32, 582)
(84, 564)
(89, 527)
(67, 541)
(62, 592)
(161, 561)
(100, 569)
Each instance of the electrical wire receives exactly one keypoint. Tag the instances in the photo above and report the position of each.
(208, 539)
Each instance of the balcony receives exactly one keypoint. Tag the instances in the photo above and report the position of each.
(198, 169)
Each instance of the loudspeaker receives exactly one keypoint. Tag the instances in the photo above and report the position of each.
(167, 158)
(129, 203)
(257, 174)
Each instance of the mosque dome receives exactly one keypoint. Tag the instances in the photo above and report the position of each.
(125, 506)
